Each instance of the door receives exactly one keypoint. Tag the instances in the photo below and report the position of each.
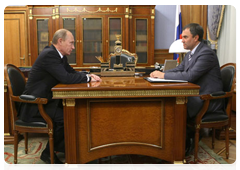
(15, 40)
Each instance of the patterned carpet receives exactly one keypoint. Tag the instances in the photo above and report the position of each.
(36, 145)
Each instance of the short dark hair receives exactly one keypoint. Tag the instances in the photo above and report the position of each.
(195, 29)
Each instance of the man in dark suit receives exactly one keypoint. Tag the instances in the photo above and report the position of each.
(50, 68)
(200, 66)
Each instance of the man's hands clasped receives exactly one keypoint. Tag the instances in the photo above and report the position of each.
(95, 78)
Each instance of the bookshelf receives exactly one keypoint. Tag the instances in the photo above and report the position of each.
(94, 28)
(42, 34)
(70, 24)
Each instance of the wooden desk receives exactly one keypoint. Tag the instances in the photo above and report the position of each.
(124, 115)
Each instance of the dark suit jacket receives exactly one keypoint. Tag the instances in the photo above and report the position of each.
(47, 71)
(203, 69)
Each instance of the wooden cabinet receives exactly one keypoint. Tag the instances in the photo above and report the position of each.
(41, 29)
(70, 23)
(94, 29)
(142, 33)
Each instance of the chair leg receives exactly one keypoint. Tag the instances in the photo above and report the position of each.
(227, 141)
(196, 145)
(26, 142)
(15, 146)
(213, 138)
(51, 145)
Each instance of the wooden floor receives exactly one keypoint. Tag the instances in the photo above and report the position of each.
(220, 144)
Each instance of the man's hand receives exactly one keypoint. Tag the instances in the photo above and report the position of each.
(157, 74)
(95, 78)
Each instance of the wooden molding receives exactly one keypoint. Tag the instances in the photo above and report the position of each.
(160, 55)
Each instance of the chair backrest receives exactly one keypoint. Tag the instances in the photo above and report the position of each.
(16, 84)
(228, 73)
(15, 79)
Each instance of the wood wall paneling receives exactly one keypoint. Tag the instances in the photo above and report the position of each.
(195, 14)
(15, 39)
(160, 55)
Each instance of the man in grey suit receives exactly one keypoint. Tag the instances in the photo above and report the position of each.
(50, 68)
(200, 66)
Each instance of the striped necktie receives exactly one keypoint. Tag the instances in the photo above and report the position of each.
(189, 57)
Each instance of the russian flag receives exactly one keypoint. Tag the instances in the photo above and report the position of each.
(178, 27)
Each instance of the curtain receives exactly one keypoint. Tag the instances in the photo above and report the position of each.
(227, 38)
(215, 15)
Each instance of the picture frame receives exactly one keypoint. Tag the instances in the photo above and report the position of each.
(44, 37)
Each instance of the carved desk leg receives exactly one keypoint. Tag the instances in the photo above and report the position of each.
(70, 131)
(180, 129)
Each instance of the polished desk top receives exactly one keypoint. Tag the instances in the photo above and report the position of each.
(124, 87)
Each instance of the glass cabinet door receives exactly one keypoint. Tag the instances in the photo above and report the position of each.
(141, 40)
(92, 40)
(70, 24)
(42, 34)
(115, 25)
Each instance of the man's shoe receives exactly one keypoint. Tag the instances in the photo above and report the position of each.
(47, 159)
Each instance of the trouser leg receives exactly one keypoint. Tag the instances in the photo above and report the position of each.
(58, 132)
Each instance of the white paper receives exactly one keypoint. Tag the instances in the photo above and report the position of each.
(164, 80)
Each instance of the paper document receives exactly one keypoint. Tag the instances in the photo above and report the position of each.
(157, 80)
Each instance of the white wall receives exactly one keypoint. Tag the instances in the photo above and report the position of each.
(227, 39)
(164, 26)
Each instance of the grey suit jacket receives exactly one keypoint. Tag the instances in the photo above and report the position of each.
(203, 69)
(47, 71)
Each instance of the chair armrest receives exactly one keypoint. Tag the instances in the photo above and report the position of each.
(207, 98)
(216, 95)
(219, 93)
(29, 99)
(34, 100)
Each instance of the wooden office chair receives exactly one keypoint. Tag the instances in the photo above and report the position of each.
(217, 119)
(16, 83)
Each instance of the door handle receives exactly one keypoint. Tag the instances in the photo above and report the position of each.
(22, 58)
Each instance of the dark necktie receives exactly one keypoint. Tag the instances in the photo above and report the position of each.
(189, 57)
